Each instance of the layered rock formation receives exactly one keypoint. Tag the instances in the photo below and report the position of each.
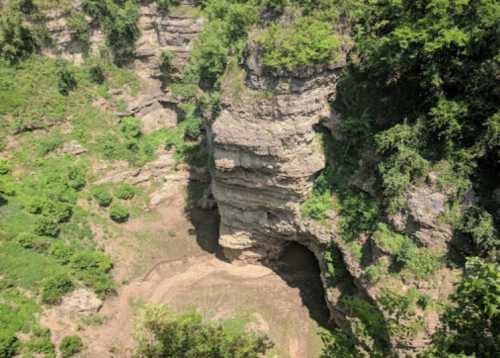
(173, 32)
(266, 154)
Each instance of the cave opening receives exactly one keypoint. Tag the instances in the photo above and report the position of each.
(299, 267)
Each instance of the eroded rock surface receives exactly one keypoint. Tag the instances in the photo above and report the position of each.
(266, 154)
(173, 32)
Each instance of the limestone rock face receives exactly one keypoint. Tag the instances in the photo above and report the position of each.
(63, 42)
(422, 217)
(266, 153)
(174, 32)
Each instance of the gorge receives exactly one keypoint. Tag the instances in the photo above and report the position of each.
(246, 160)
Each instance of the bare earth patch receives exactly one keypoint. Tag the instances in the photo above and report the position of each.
(170, 256)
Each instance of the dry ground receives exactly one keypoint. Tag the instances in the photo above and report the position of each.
(170, 256)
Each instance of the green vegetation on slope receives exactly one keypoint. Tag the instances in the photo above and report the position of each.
(46, 241)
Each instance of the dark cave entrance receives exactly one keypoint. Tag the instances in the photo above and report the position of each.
(299, 267)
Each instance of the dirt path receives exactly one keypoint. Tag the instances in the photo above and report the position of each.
(170, 256)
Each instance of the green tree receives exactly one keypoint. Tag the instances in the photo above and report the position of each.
(17, 40)
(125, 191)
(164, 334)
(472, 323)
(478, 225)
(427, 67)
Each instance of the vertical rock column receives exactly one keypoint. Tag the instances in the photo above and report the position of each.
(266, 154)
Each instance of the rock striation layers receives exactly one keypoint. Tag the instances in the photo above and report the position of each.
(266, 153)
(173, 32)
(266, 150)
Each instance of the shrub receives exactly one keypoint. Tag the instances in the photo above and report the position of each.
(61, 251)
(54, 288)
(376, 271)
(49, 144)
(388, 240)
(164, 334)
(97, 74)
(317, 205)
(91, 261)
(472, 323)
(80, 29)
(336, 268)
(4, 167)
(125, 191)
(402, 164)
(53, 210)
(209, 56)
(193, 127)
(478, 225)
(70, 345)
(165, 5)
(25, 6)
(102, 196)
(420, 262)
(118, 19)
(46, 227)
(400, 306)
(130, 127)
(371, 322)
(92, 267)
(166, 62)
(112, 148)
(337, 343)
(66, 81)
(305, 42)
(118, 213)
(40, 342)
(34, 242)
(9, 345)
(77, 177)
(17, 41)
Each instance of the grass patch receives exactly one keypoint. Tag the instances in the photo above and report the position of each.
(27, 268)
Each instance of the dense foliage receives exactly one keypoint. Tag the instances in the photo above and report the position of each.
(471, 325)
(18, 38)
(304, 42)
(165, 334)
(428, 70)
(118, 19)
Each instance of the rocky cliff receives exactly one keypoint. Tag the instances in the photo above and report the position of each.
(267, 151)
(173, 32)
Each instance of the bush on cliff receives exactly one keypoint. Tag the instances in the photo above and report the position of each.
(304, 42)
(54, 288)
(118, 19)
(17, 39)
(471, 324)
